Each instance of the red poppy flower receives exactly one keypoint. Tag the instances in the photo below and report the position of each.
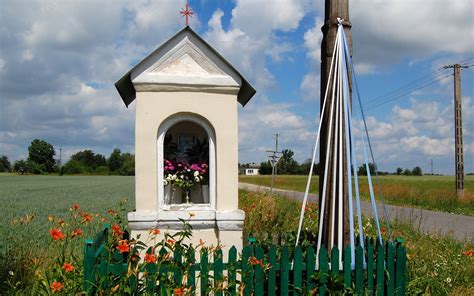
(111, 212)
(75, 207)
(123, 246)
(68, 267)
(56, 287)
(56, 234)
(150, 258)
(117, 230)
(76, 232)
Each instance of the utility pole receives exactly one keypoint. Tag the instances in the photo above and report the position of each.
(432, 167)
(334, 9)
(458, 151)
(274, 158)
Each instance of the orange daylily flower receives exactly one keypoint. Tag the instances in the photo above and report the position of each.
(170, 241)
(155, 231)
(179, 291)
(75, 207)
(255, 261)
(56, 234)
(111, 212)
(86, 217)
(76, 232)
(468, 253)
(150, 258)
(123, 246)
(117, 230)
(68, 267)
(56, 287)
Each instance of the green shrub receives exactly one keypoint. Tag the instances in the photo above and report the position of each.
(101, 170)
(73, 167)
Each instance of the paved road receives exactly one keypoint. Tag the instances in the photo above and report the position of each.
(458, 226)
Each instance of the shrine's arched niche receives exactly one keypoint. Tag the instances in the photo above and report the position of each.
(186, 163)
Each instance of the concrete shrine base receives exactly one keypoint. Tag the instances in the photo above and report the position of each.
(224, 228)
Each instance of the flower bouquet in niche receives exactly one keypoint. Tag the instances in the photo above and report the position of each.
(182, 176)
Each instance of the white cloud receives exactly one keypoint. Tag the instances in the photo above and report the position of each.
(385, 32)
(311, 81)
(312, 40)
(310, 86)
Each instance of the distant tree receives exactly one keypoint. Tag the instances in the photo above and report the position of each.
(362, 171)
(128, 165)
(287, 165)
(115, 161)
(73, 167)
(41, 156)
(417, 171)
(265, 168)
(399, 171)
(20, 166)
(407, 172)
(89, 160)
(305, 165)
(5, 165)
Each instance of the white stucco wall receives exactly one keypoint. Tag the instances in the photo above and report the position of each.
(220, 110)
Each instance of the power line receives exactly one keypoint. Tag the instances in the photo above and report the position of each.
(414, 85)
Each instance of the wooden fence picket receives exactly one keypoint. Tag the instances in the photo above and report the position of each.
(247, 269)
(370, 266)
(204, 271)
(347, 268)
(400, 271)
(272, 272)
(191, 271)
(380, 269)
(218, 272)
(298, 271)
(359, 270)
(323, 270)
(284, 271)
(259, 271)
(390, 269)
(232, 271)
(310, 268)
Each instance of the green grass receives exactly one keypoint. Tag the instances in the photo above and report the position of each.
(41, 196)
(429, 192)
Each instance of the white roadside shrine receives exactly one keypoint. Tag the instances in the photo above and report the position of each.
(186, 97)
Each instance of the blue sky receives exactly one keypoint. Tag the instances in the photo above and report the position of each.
(59, 60)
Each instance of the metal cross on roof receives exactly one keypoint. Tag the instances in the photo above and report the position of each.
(186, 12)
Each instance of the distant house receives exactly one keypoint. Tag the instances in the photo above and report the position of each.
(250, 169)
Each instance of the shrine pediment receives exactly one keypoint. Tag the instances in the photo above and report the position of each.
(187, 63)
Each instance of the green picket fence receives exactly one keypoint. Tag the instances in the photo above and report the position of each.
(264, 270)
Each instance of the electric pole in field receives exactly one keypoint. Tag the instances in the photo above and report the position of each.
(334, 9)
(458, 151)
(274, 157)
(432, 167)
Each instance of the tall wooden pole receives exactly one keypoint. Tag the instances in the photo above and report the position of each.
(458, 151)
(334, 9)
(458, 132)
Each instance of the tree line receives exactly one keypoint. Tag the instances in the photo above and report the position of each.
(287, 165)
(41, 160)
